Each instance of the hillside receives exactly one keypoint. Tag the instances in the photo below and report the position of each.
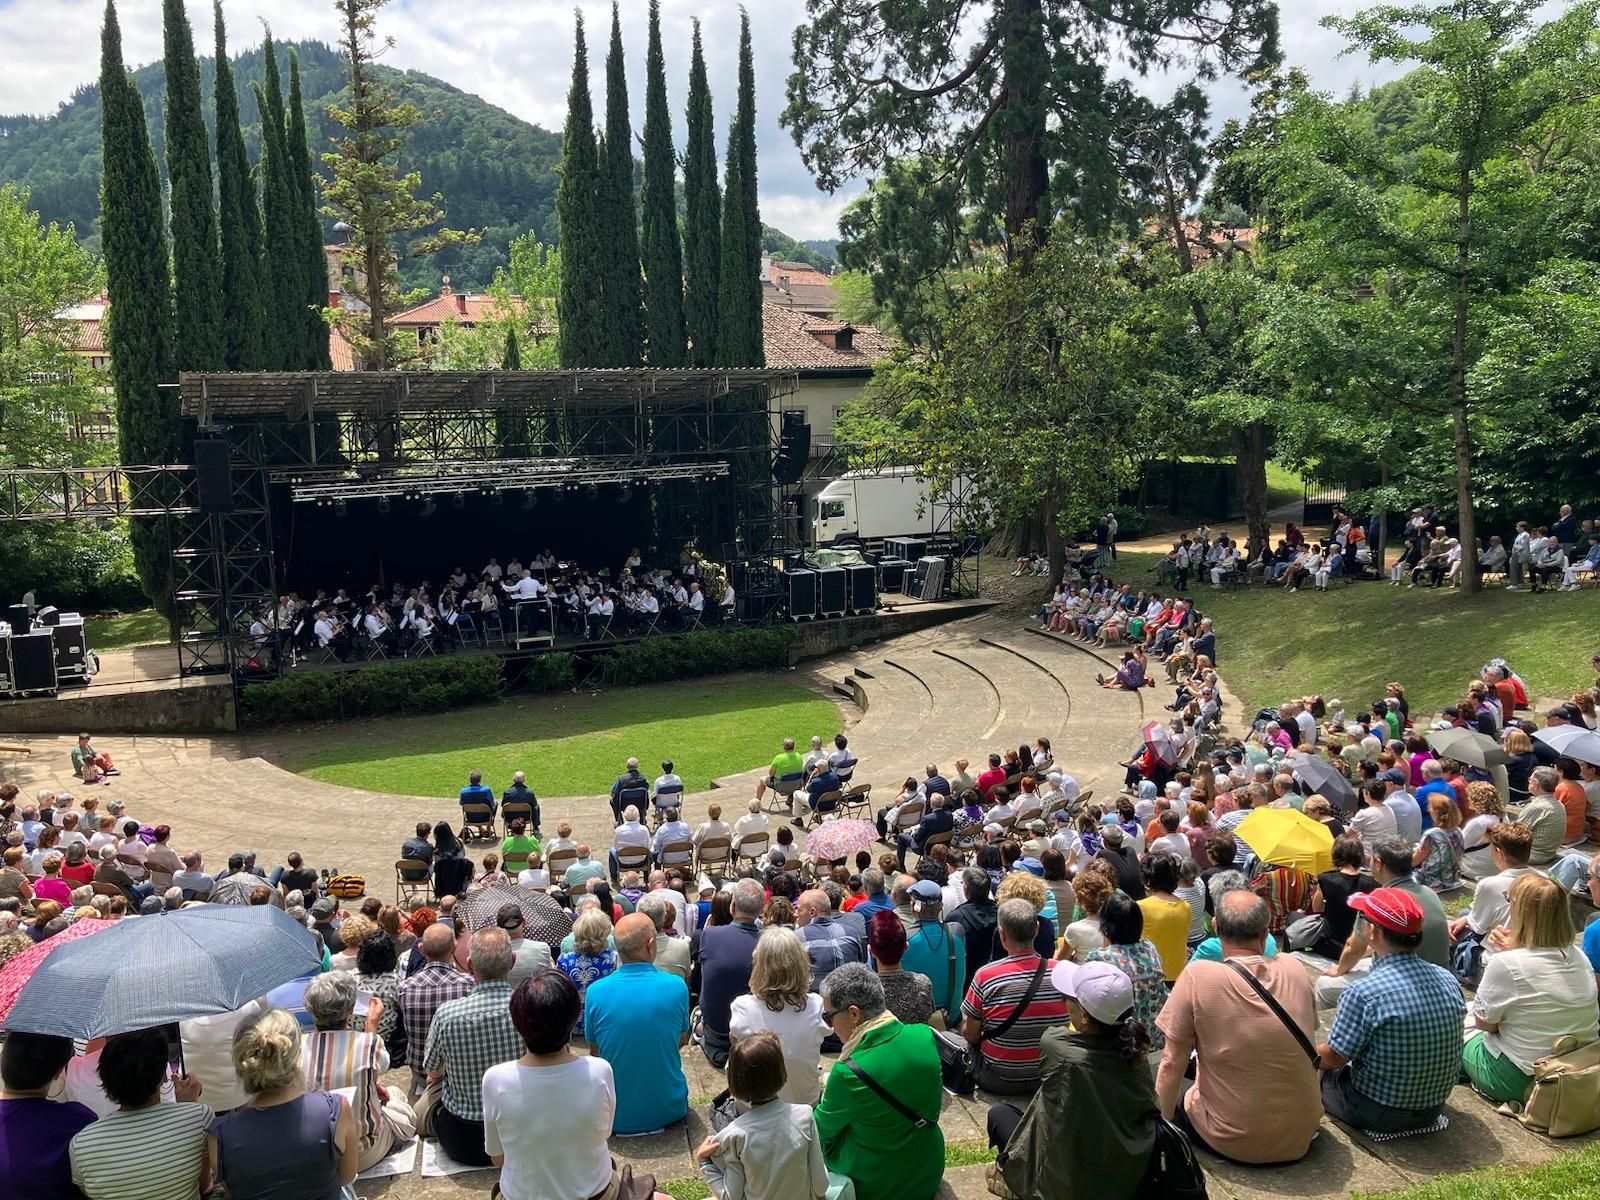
(497, 172)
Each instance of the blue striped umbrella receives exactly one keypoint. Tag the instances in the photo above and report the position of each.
(156, 970)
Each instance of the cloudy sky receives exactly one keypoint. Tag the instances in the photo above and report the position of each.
(518, 54)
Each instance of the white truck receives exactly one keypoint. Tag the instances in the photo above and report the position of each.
(868, 506)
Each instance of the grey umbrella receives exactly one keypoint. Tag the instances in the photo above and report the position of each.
(236, 889)
(1323, 777)
(546, 920)
(164, 968)
(1573, 741)
(1468, 746)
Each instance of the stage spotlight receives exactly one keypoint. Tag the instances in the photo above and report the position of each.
(428, 509)
(383, 504)
(459, 500)
(495, 498)
(340, 509)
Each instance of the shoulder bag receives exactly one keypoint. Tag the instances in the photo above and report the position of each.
(1565, 1098)
(959, 1059)
(1174, 1172)
(943, 1018)
(1277, 1009)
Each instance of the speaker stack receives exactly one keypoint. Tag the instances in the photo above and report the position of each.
(794, 447)
(33, 662)
(71, 649)
(831, 591)
(800, 592)
(891, 574)
(908, 548)
(861, 588)
(17, 618)
(213, 474)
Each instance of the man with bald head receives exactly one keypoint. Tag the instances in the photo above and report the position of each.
(637, 1019)
(421, 994)
(829, 943)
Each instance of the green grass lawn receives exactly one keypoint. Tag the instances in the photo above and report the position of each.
(1572, 1175)
(120, 631)
(571, 745)
(1283, 486)
(1352, 640)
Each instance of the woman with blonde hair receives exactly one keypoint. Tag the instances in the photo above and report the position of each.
(351, 935)
(1537, 988)
(1437, 858)
(1520, 747)
(286, 1142)
(1093, 887)
(591, 956)
(780, 1001)
(780, 912)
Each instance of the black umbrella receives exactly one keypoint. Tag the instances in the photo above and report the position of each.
(546, 921)
(1323, 778)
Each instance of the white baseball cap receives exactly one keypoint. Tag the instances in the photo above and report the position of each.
(1105, 993)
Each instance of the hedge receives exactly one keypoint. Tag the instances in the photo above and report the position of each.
(704, 652)
(382, 689)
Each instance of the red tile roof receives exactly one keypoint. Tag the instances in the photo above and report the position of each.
(791, 344)
(340, 353)
(467, 307)
(91, 337)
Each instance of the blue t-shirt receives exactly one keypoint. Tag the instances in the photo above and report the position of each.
(476, 793)
(1428, 789)
(634, 1019)
(1211, 950)
(1591, 944)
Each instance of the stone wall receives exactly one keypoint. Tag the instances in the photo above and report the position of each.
(818, 639)
(196, 707)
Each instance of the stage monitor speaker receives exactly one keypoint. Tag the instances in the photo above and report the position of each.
(213, 475)
(48, 615)
(831, 592)
(909, 548)
(33, 663)
(862, 587)
(800, 590)
(794, 448)
(891, 572)
(17, 618)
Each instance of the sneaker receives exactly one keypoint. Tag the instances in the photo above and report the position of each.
(1511, 587)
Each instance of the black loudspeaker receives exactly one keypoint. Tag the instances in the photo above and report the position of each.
(213, 475)
(17, 618)
(800, 589)
(794, 448)
(831, 591)
(893, 571)
(861, 588)
(48, 615)
(33, 663)
(910, 549)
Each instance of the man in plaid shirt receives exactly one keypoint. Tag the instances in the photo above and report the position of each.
(1394, 1051)
(467, 1037)
(436, 981)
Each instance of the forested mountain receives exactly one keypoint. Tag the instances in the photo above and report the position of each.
(496, 171)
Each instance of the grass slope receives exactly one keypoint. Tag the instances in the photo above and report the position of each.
(119, 631)
(1352, 640)
(570, 745)
(1572, 1175)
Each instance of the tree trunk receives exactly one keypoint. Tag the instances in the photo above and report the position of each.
(1022, 125)
(1250, 449)
(1055, 544)
(1458, 387)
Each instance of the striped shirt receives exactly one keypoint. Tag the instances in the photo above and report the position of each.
(151, 1153)
(468, 1036)
(343, 1058)
(996, 990)
(420, 997)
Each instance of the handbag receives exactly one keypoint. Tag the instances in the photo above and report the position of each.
(1305, 932)
(347, 887)
(959, 1059)
(724, 1110)
(1466, 956)
(1565, 1098)
(1277, 1010)
(1174, 1172)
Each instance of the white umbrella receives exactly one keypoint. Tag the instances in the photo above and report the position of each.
(1574, 741)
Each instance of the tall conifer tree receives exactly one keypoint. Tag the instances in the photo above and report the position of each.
(197, 267)
(281, 263)
(662, 256)
(739, 291)
(313, 340)
(702, 228)
(619, 234)
(134, 242)
(580, 304)
(239, 221)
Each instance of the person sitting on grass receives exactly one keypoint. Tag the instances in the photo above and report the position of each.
(773, 1148)
(1129, 676)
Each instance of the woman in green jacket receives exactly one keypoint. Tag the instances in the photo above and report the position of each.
(887, 1141)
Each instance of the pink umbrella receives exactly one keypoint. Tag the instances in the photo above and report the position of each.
(1159, 738)
(16, 973)
(839, 838)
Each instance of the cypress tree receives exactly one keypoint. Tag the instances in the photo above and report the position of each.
(662, 255)
(580, 304)
(739, 290)
(240, 221)
(511, 357)
(197, 326)
(280, 261)
(702, 228)
(312, 344)
(619, 235)
(134, 244)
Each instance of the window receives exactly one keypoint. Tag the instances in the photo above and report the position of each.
(831, 510)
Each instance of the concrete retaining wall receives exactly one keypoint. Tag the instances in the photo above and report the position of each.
(818, 639)
(194, 708)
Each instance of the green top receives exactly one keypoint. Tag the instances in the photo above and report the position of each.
(519, 845)
(886, 1156)
(788, 763)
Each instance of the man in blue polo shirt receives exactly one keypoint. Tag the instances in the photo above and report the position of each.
(476, 793)
(637, 1019)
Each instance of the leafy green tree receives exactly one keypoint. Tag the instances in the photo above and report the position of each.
(662, 253)
(367, 189)
(139, 292)
(312, 342)
(282, 266)
(702, 226)
(739, 340)
(623, 330)
(239, 221)
(582, 300)
(198, 336)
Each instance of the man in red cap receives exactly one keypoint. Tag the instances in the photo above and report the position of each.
(1394, 1051)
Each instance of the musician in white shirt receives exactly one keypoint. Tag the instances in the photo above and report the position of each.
(493, 570)
(458, 577)
(525, 588)
(729, 602)
(323, 628)
(600, 610)
(376, 623)
(697, 599)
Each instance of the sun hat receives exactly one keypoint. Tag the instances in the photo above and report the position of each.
(1102, 990)
(1390, 908)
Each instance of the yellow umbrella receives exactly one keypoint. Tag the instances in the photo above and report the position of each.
(1286, 838)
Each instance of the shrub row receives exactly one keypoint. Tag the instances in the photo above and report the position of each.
(704, 652)
(382, 689)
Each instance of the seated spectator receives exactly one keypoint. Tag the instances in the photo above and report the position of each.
(1391, 867)
(780, 1004)
(337, 1056)
(725, 966)
(1394, 1051)
(1509, 844)
(637, 1019)
(1331, 896)
(1537, 988)
(143, 1140)
(713, 826)
(1009, 1006)
(1090, 1129)
(935, 950)
(419, 847)
(1127, 949)
(1130, 674)
(50, 886)
(581, 872)
(452, 869)
(85, 756)
(754, 821)
(630, 835)
(866, 1137)
(519, 843)
(937, 820)
(829, 943)
(787, 767)
(592, 956)
(78, 870)
(1253, 1097)
(1543, 814)
(520, 793)
(908, 994)
(673, 832)
(1437, 858)
(673, 952)
(377, 975)
(35, 1131)
(772, 1148)
(466, 1037)
(476, 793)
(287, 1141)
(549, 1097)
(1166, 917)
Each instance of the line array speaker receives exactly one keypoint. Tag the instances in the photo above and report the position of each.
(794, 447)
(213, 475)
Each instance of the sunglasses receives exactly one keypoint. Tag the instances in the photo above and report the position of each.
(829, 1014)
